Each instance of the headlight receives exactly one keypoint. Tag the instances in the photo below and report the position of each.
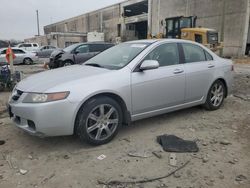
(45, 97)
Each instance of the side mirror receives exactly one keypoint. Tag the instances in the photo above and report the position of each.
(149, 65)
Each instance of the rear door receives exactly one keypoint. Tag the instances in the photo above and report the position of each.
(159, 88)
(20, 55)
(97, 48)
(199, 67)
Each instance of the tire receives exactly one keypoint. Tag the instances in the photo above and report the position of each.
(67, 63)
(98, 121)
(215, 96)
(27, 61)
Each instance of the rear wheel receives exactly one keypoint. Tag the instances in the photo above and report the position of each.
(27, 61)
(216, 96)
(99, 120)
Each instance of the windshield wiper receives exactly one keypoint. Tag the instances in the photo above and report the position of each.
(94, 65)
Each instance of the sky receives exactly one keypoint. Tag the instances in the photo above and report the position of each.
(18, 17)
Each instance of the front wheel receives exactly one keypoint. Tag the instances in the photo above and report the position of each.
(67, 63)
(216, 96)
(99, 120)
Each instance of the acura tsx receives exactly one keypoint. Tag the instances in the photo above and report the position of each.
(128, 82)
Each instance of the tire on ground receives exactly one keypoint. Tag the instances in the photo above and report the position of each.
(86, 109)
(208, 104)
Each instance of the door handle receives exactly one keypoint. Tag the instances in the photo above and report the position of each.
(211, 66)
(178, 71)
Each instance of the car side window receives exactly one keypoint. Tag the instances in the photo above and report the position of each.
(97, 47)
(208, 56)
(35, 45)
(165, 54)
(15, 51)
(193, 53)
(27, 45)
(3, 52)
(82, 49)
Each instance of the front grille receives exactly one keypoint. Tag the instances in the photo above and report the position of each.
(17, 95)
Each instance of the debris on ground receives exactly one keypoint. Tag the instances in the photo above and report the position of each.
(157, 154)
(23, 172)
(225, 142)
(177, 175)
(172, 143)
(66, 157)
(205, 159)
(101, 157)
(140, 154)
(45, 180)
(172, 159)
(240, 178)
(2, 142)
(145, 180)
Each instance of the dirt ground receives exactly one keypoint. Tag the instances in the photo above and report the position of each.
(223, 138)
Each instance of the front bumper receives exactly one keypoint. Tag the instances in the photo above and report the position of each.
(54, 63)
(43, 119)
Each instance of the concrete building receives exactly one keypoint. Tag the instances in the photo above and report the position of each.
(136, 19)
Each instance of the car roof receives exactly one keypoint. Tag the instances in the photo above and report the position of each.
(13, 48)
(96, 42)
(151, 41)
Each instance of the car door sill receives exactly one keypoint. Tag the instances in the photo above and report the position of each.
(165, 110)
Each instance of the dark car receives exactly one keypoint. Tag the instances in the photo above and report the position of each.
(77, 53)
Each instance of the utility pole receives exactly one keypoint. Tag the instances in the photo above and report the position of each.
(222, 25)
(37, 17)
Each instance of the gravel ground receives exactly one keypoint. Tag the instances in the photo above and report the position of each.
(222, 162)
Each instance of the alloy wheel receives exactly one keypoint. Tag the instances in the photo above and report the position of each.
(217, 94)
(102, 122)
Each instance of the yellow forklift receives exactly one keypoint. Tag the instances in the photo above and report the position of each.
(185, 28)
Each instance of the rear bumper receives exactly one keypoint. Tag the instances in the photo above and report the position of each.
(46, 119)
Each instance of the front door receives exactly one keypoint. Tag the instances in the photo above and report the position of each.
(159, 88)
(82, 54)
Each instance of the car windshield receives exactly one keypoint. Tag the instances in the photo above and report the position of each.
(70, 48)
(118, 56)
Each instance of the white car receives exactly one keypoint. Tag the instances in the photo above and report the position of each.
(22, 56)
(28, 46)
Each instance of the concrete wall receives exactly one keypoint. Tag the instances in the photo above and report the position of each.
(41, 40)
(209, 13)
(59, 40)
(104, 20)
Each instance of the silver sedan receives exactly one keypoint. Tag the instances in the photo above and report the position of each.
(22, 56)
(125, 83)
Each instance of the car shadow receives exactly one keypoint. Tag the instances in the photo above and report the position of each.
(72, 144)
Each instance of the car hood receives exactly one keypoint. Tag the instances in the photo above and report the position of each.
(56, 52)
(44, 81)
